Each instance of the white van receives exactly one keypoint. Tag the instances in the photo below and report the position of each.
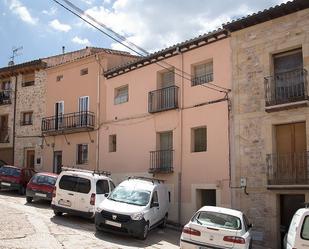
(298, 235)
(136, 205)
(78, 192)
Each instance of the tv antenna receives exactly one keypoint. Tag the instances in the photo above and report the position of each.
(15, 53)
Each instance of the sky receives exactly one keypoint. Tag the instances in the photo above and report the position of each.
(41, 27)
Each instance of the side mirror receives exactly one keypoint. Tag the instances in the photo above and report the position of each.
(154, 204)
(250, 225)
(106, 194)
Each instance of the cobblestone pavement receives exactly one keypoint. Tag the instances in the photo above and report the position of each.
(34, 226)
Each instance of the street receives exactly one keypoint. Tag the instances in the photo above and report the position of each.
(34, 225)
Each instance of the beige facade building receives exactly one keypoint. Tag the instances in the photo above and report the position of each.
(270, 117)
(166, 116)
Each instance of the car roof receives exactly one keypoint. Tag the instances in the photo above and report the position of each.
(86, 174)
(47, 174)
(139, 184)
(222, 210)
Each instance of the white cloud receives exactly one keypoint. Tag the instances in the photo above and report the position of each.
(88, 1)
(52, 11)
(81, 41)
(157, 24)
(55, 24)
(19, 9)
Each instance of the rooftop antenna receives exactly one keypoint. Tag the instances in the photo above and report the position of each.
(63, 49)
(14, 54)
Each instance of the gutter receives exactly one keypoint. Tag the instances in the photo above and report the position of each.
(14, 118)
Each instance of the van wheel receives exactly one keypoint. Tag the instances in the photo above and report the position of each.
(163, 224)
(144, 234)
(57, 213)
(21, 190)
(29, 199)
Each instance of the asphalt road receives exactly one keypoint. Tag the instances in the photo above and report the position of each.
(34, 226)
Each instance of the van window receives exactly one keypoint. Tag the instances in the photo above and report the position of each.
(155, 197)
(76, 184)
(112, 186)
(102, 187)
(305, 229)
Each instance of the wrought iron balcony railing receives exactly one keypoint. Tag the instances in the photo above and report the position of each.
(288, 168)
(71, 122)
(5, 97)
(163, 99)
(202, 79)
(287, 87)
(161, 161)
(4, 135)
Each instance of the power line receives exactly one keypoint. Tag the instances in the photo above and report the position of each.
(225, 90)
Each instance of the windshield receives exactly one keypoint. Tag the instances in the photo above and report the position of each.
(9, 171)
(131, 196)
(219, 220)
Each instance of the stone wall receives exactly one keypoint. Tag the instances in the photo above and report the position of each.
(252, 135)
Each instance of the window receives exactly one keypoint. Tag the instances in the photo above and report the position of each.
(202, 73)
(82, 153)
(155, 197)
(305, 229)
(59, 77)
(112, 186)
(167, 78)
(84, 71)
(27, 118)
(74, 183)
(199, 139)
(121, 95)
(6, 85)
(102, 187)
(112, 143)
(28, 80)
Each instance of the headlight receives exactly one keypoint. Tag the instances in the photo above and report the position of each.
(137, 216)
(99, 210)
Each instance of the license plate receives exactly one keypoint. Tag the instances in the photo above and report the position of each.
(65, 203)
(5, 184)
(40, 195)
(112, 223)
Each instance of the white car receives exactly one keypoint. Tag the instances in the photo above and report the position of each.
(298, 234)
(217, 227)
(134, 207)
(79, 192)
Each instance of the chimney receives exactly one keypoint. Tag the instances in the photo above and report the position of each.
(63, 49)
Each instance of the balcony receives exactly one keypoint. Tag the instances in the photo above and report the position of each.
(163, 99)
(68, 123)
(288, 170)
(286, 90)
(5, 97)
(161, 161)
(4, 135)
(199, 80)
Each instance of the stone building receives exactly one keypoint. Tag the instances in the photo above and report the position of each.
(270, 118)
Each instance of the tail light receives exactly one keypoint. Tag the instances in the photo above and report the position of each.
(234, 239)
(191, 231)
(92, 199)
(54, 192)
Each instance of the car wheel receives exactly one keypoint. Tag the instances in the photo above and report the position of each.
(163, 224)
(22, 190)
(144, 233)
(29, 199)
(57, 213)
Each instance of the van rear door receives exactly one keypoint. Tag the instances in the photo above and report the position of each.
(66, 194)
(302, 235)
(102, 188)
(83, 194)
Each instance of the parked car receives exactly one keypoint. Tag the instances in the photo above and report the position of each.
(2, 163)
(135, 206)
(15, 178)
(217, 227)
(298, 234)
(78, 192)
(41, 186)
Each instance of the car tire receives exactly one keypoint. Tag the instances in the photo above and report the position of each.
(57, 213)
(163, 224)
(29, 199)
(145, 231)
(22, 190)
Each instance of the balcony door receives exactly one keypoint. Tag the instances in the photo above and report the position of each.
(59, 112)
(4, 133)
(166, 147)
(291, 152)
(83, 106)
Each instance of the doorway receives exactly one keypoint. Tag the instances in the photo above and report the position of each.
(166, 149)
(205, 197)
(57, 162)
(289, 204)
(30, 154)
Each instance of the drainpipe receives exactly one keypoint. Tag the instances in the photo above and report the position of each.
(14, 119)
(97, 157)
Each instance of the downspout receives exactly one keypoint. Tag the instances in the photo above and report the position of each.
(181, 138)
(14, 118)
(98, 115)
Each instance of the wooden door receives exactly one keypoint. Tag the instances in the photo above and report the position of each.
(30, 159)
(291, 152)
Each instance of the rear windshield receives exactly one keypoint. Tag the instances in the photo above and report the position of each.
(46, 180)
(75, 183)
(219, 220)
(102, 187)
(9, 171)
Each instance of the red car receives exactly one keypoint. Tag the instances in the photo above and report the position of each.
(14, 178)
(41, 186)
